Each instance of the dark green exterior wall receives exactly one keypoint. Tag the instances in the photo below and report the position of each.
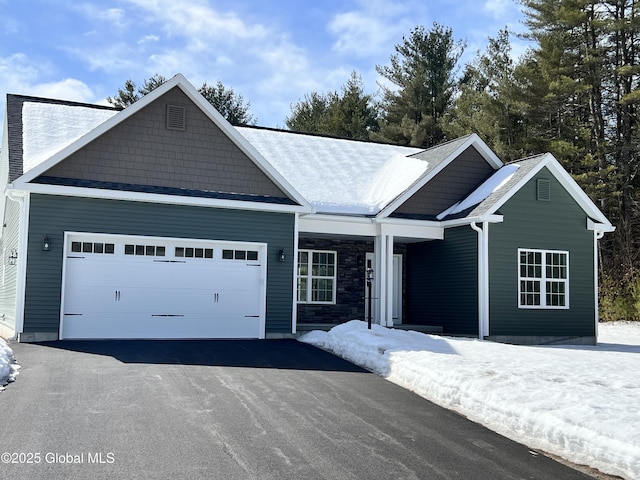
(53, 215)
(442, 282)
(559, 224)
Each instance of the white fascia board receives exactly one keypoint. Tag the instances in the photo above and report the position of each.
(181, 82)
(368, 227)
(565, 179)
(473, 140)
(599, 227)
(157, 198)
(337, 225)
(469, 220)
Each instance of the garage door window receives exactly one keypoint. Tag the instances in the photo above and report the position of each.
(92, 247)
(194, 252)
(148, 250)
(240, 255)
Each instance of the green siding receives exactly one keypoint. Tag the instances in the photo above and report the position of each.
(53, 215)
(9, 241)
(442, 282)
(559, 224)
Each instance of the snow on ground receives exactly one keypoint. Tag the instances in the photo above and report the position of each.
(579, 402)
(8, 367)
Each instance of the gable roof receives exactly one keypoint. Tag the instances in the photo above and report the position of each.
(487, 199)
(46, 156)
(439, 157)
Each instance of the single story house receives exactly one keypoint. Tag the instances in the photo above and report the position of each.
(163, 221)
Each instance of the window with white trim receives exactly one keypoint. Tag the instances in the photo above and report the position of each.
(316, 276)
(543, 278)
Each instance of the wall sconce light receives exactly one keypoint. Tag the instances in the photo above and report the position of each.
(46, 244)
(281, 255)
(13, 256)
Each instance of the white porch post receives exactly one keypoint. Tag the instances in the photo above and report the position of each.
(388, 283)
(383, 278)
(379, 277)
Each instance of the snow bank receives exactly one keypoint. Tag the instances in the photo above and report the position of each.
(581, 403)
(8, 366)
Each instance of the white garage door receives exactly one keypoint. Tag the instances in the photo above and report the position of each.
(149, 287)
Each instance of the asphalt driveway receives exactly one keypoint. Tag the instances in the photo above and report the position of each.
(270, 409)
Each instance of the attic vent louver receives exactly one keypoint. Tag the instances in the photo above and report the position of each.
(544, 190)
(175, 117)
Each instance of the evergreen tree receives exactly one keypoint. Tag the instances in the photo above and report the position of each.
(488, 103)
(422, 74)
(230, 105)
(351, 114)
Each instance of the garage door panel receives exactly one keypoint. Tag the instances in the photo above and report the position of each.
(134, 292)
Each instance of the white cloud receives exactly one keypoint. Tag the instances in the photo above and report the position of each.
(498, 8)
(114, 16)
(67, 89)
(148, 39)
(374, 27)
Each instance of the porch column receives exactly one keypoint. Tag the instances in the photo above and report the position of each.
(379, 277)
(383, 279)
(388, 283)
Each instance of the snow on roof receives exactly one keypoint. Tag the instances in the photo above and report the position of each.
(338, 175)
(48, 127)
(494, 183)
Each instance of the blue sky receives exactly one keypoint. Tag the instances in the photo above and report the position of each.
(271, 52)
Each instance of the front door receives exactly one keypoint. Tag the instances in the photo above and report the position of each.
(397, 288)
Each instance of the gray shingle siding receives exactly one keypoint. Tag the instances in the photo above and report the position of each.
(53, 215)
(142, 151)
(559, 224)
(454, 182)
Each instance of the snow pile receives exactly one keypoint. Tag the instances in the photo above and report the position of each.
(578, 402)
(47, 128)
(8, 366)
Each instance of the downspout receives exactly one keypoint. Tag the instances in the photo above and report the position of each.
(294, 309)
(597, 235)
(483, 278)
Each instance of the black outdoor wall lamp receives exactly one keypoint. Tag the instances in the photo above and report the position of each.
(281, 255)
(13, 256)
(46, 244)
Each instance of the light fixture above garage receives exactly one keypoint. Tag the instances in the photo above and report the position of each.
(46, 244)
(281, 255)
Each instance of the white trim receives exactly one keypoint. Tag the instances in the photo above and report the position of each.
(597, 235)
(68, 191)
(370, 227)
(543, 280)
(473, 140)
(310, 278)
(23, 246)
(599, 227)
(566, 181)
(470, 220)
(294, 293)
(189, 90)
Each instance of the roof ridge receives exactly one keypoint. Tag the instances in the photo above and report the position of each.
(54, 101)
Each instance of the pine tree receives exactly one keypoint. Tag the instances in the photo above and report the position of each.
(351, 114)
(422, 73)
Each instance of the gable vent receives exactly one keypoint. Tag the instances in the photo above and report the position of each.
(544, 190)
(175, 117)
